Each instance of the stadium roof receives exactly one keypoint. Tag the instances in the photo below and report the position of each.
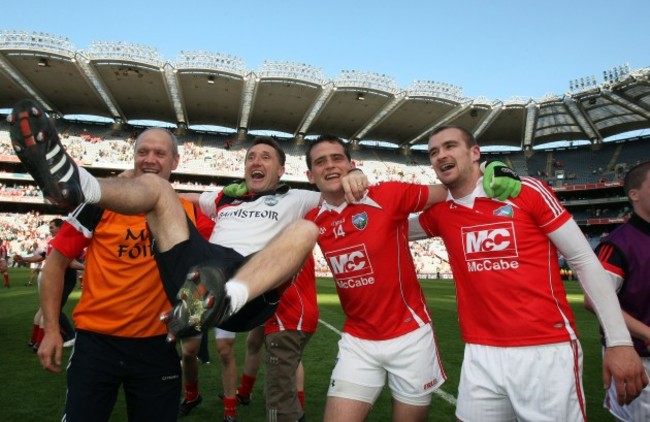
(126, 82)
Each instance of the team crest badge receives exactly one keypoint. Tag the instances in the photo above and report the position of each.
(360, 221)
(505, 211)
(270, 201)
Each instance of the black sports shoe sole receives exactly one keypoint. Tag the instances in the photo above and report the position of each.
(37, 145)
(202, 303)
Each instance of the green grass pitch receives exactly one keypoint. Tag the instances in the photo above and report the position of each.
(32, 394)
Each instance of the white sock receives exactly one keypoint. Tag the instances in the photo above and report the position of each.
(238, 293)
(89, 186)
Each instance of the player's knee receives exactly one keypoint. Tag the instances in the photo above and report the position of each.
(190, 347)
(149, 179)
(226, 354)
(305, 229)
(160, 186)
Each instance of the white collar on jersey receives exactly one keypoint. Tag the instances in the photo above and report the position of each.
(468, 200)
(339, 208)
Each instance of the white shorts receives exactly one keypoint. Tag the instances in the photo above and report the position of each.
(411, 363)
(534, 383)
(638, 410)
(219, 334)
(223, 334)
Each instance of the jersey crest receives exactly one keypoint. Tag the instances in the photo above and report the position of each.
(271, 201)
(360, 221)
(505, 211)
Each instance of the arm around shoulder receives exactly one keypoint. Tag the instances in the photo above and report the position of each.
(437, 193)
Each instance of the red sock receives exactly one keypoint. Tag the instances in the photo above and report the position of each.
(6, 279)
(301, 398)
(246, 385)
(230, 406)
(41, 334)
(191, 391)
(34, 335)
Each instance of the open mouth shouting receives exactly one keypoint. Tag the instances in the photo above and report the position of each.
(257, 174)
(445, 167)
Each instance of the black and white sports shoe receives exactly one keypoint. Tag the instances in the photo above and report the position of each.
(39, 148)
(202, 303)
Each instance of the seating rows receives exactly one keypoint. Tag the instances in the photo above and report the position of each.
(221, 154)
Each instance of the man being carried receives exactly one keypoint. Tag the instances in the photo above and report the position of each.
(267, 224)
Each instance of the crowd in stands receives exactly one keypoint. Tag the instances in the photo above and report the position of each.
(223, 155)
(210, 155)
(17, 191)
(22, 232)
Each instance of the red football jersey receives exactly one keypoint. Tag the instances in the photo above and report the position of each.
(298, 308)
(506, 269)
(366, 247)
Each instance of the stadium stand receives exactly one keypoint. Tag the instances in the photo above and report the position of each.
(589, 185)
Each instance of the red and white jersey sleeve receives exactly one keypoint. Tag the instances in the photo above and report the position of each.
(298, 308)
(366, 247)
(506, 269)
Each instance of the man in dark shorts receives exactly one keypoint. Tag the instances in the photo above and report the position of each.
(120, 344)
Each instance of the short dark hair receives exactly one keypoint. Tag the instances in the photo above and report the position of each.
(58, 222)
(273, 144)
(470, 140)
(326, 138)
(635, 177)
